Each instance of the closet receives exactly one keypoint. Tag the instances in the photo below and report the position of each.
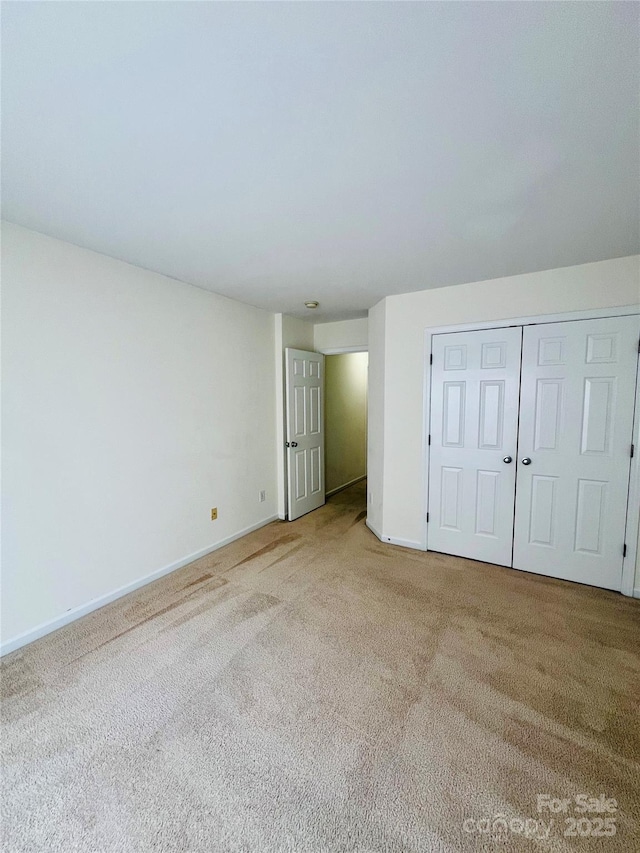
(530, 446)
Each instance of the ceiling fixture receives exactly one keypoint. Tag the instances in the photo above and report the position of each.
(312, 304)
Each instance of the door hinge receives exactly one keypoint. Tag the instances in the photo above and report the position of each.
(431, 358)
(429, 440)
(633, 450)
(624, 550)
(427, 518)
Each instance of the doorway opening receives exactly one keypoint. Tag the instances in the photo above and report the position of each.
(346, 392)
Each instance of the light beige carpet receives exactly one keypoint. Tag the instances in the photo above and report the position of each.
(309, 689)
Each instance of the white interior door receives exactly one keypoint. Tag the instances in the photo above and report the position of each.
(305, 431)
(576, 421)
(474, 423)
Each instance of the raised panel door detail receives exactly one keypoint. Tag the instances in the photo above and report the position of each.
(298, 367)
(551, 351)
(590, 506)
(314, 369)
(597, 410)
(548, 417)
(491, 415)
(455, 357)
(543, 508)
(602, 349)
(300, 463)
(487, 502)
(451, 498)
(299, 411)
(316, 478)
(494, 355)
(453, 414)
(314, 411)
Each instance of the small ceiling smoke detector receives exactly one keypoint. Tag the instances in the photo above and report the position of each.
(312, 304)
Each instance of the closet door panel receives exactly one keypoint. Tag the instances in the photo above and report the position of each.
(474, 417)
(576, 420)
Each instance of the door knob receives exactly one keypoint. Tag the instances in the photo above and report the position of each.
(294, 444)
(526, 461)
(507, 459)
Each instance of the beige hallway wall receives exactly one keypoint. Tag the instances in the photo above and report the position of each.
(345, 418)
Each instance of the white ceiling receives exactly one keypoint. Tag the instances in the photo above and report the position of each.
(277, 152)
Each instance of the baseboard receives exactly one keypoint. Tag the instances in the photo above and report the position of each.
(403, 543)
(373, 529)
(96, 603)
(346, 485)
(390, 540)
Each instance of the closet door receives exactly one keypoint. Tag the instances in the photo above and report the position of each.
(474, 420)
(576, 420)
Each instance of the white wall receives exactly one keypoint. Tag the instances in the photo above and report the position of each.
(345, 419)
(132, 404)
(329, 337)
(396, 341)
(289, 332)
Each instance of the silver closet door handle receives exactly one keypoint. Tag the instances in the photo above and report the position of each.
(507, 459)
(526, 461)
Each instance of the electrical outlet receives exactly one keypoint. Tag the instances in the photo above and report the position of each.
(214, 513)
(262, 496)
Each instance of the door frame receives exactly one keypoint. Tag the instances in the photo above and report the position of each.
(632, 528)
(341, 350)
(281, 418)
